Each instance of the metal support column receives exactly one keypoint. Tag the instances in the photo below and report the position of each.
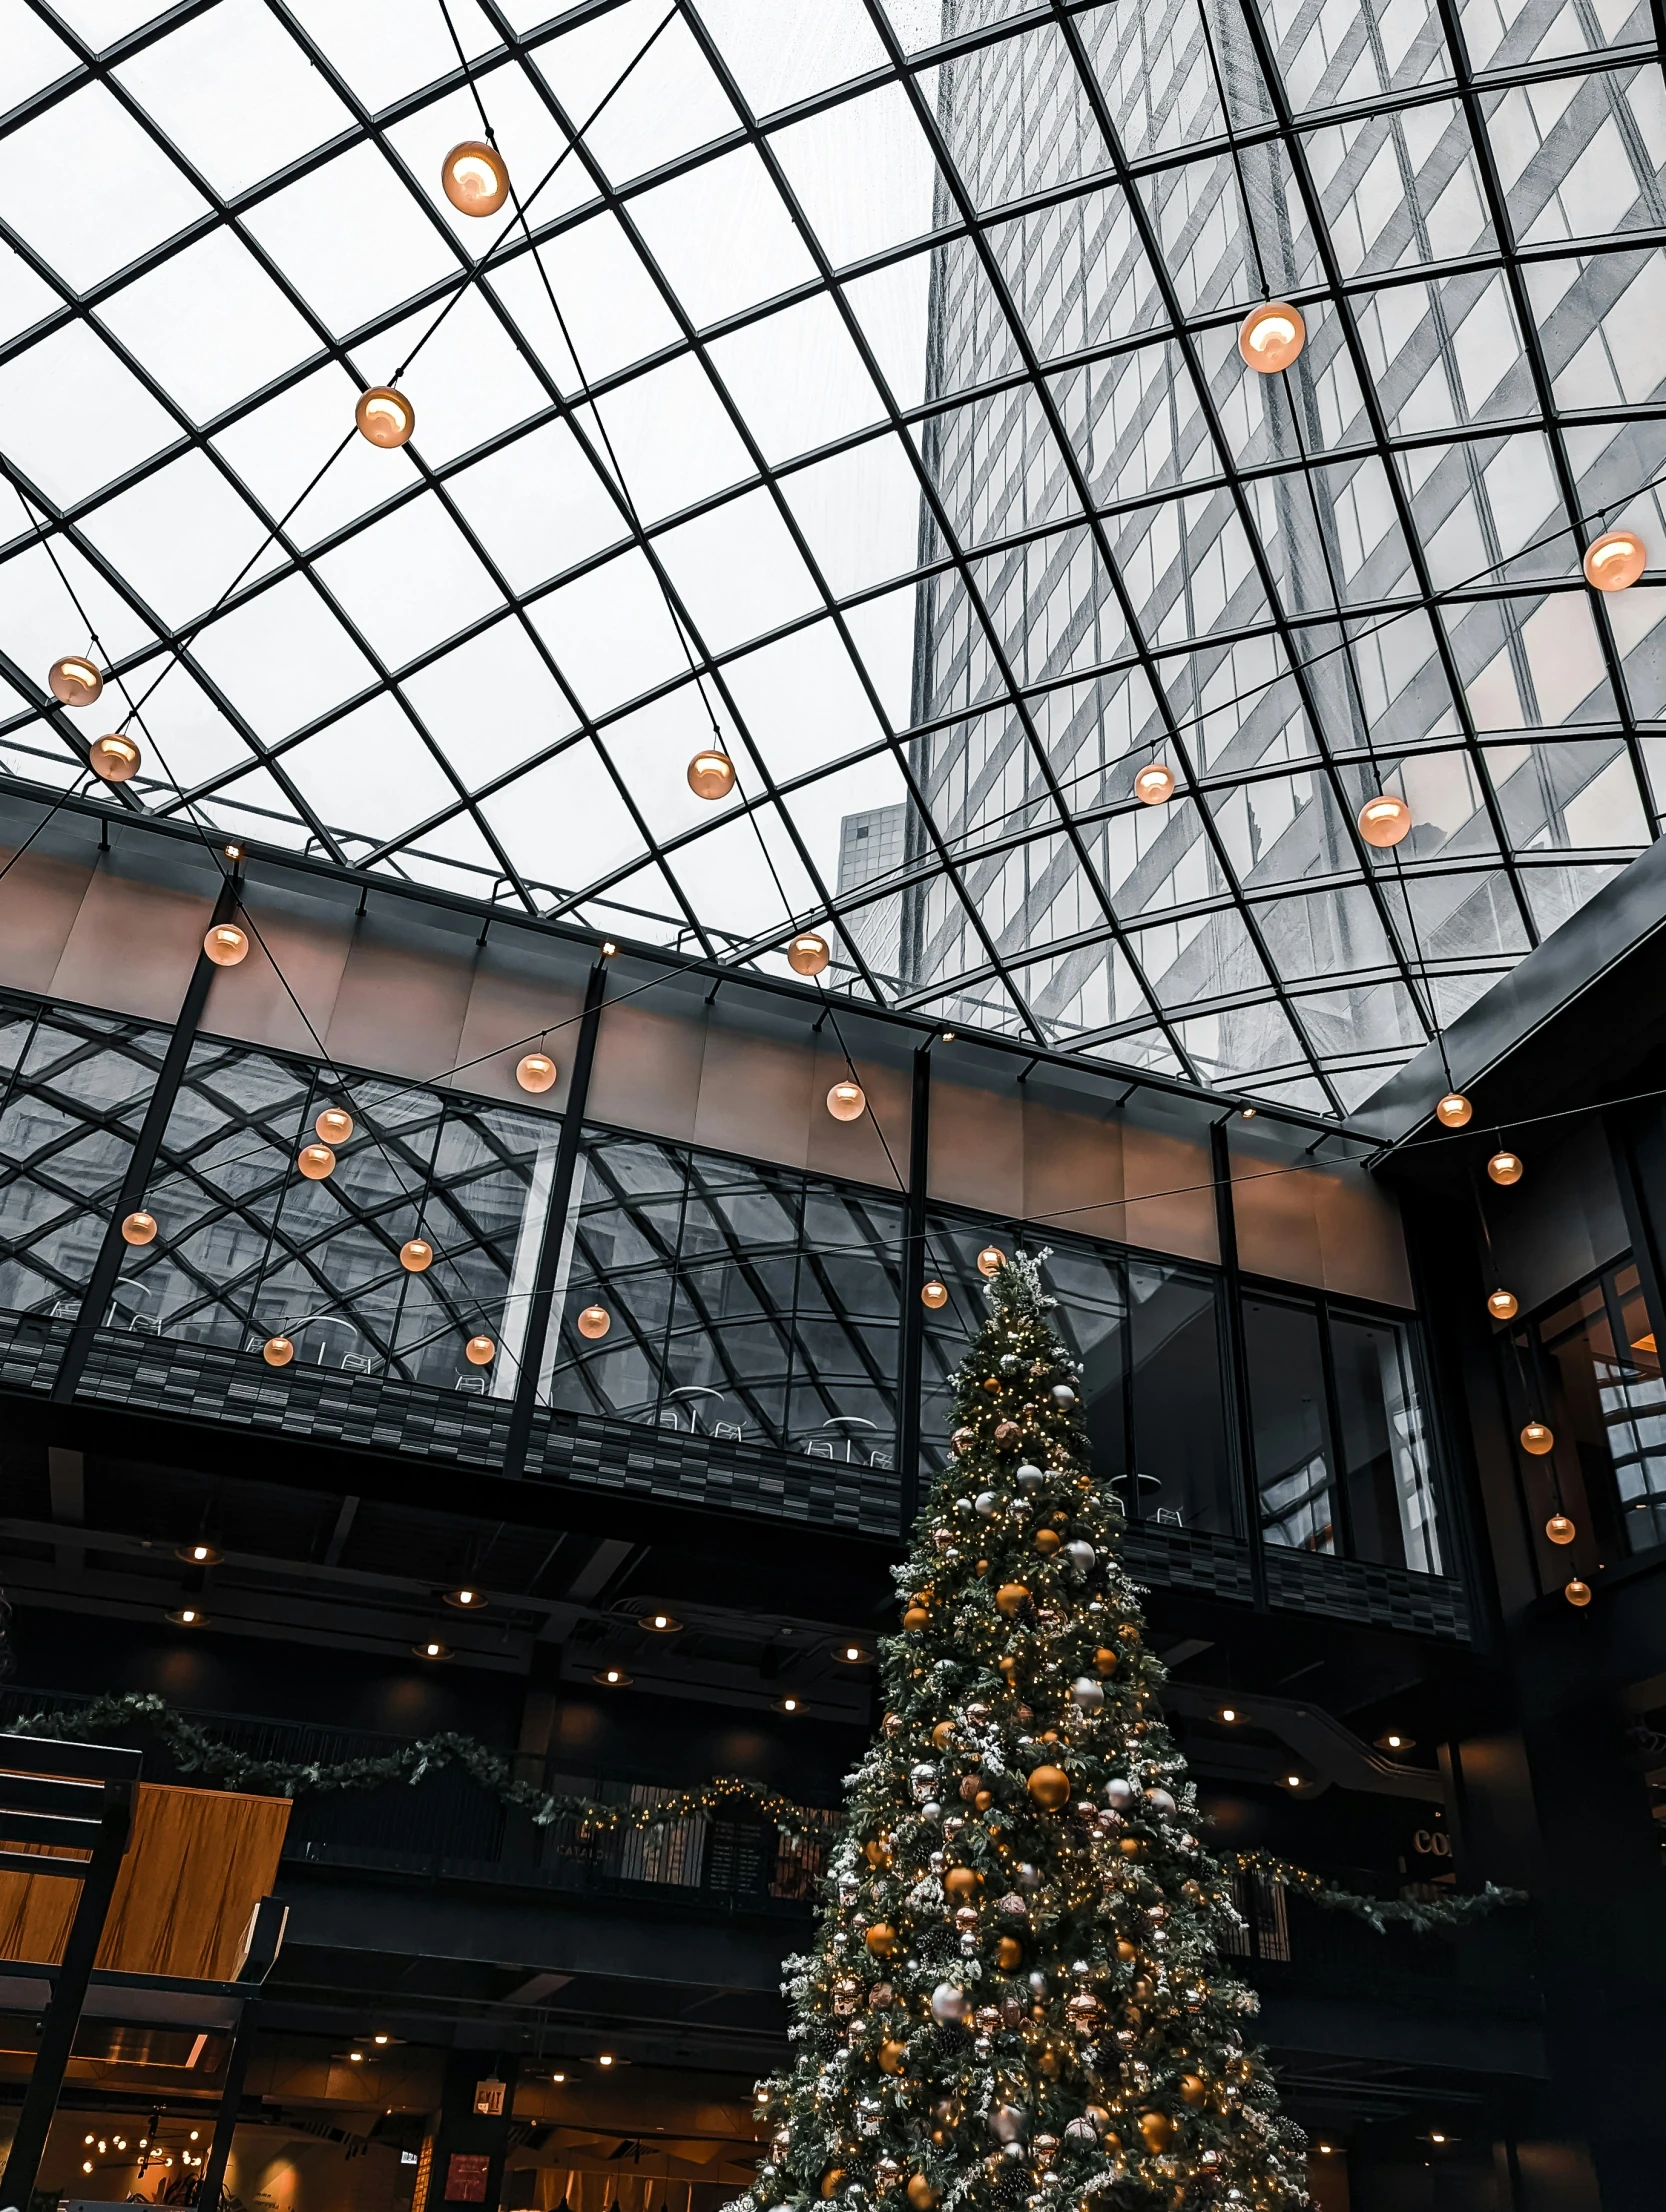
(142, 1162)
(911, 1345)
(1234, 1361)
(555, 1227)
(266, 1931)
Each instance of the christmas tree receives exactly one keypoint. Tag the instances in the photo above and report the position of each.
(1015, 1993)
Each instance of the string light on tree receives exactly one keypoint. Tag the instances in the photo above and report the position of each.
(1015, 1992)
(75, 681)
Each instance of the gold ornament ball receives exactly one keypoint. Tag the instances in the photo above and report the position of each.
(1156, 2130)
(1050, 1787)
(1047, 1541)
(139, 1228)
(922, 2194)
(480, 1351)
(1503, 1305)
(1537, 1439)
(537, 1072)
(1453, 1111)
(943, 1735)
(962, 1883)
(881, 1939)
(416, 1255)
(316, 1162)
(1505, 1167)
(991, 1260)
(385, 417)
(1105, 1660)
(963, 1440)
(1009, 1597)
(114, 758)
(1192, 2089)
(1009, 1954)
(277, 1351)
(808, 954)
(934, 1294)
(831, 2179)
(475, 178)
(1577, 1592)
(1560, 1529)
(892, 2056)
(594, 1322)
(226, 945)
(916, 1617)
(75, 681)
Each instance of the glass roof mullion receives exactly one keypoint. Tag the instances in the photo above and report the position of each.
(1533, 346)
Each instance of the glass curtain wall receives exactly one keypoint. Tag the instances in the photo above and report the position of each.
(1597, 1357)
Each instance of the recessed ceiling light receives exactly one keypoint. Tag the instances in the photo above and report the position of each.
(467, 1599)
(188, 1616)
(661, 1622)
(1392, 1740)
(432, 1649)
(789, 1705)
(851, 1653)
(1229, 1712)
(1294, 1780)
(612, 1678)
(199, 1555)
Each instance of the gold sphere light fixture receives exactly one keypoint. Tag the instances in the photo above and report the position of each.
(1154, 784)
(416, 1255)
(1271, 337)
(536, 1072)
(75, 681)
(808, 954)
(1577, 1592)
(847, 1101)
(384, 416)
(277, 1351)
(475, 178)
(139, 1228)
(1503, 1305)
(594, 1323)
(1537, 1439)
(711, 773)
(1614, 561)
(991, 1260)
(1560, 1529)
(334, 1125)
(1453, 1111)
(934, 1294)
(114, 759)
(1505, 1167)
(1384, 820)
(480, 1351)
(316, 1162)
(226, 945)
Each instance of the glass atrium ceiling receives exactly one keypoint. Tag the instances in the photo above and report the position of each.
(860, 378)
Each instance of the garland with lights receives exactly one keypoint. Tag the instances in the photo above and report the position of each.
(196, 1750)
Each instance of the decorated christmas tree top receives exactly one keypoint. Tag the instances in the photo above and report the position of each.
(1015, 1994)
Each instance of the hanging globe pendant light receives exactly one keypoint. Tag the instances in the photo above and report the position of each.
(384, 416)
(1503, 1305)
(475, 178)
(1453, 1111)
(1537, 1439)
(416, 1255)
(537, 1072)
(75, 681)
(334, 1125)
(1614, 561)
(139, 1228)
(1505, 1167)
(847, 1101)
(1271, 337)
(114, 758)
(594, 1323)
(226, 945)
(711, 774)
(277, 1351)
(1154, 784)
(316, 1162)
(808, 953)
(480, 1351)
(1384, 820)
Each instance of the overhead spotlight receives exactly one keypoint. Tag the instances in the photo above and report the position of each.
(334, 1125)
(1384, 820)
(466, 1600)
(1229, 1713)
(480, 1351)
(808, 954)
(1271, 337)
(199, 1555)
(1293, 1781)
(612, 1678)
(416, 1255)
(1154, 784)
(188, 1616)
(594, 1323)
(432, 1649)
(1614, 561)
(475, 178)
(853, 1653)
(139, 1228)
(116, 758)
(75, 681)
(1453, 1111)
(847, 1101)
(316, 1162)
(661, 1622)
(385, 417)
(788, 1704)
(1394, 1741)
(1246, 1113)
(948, 1036)
(536, 1072)
(711, 774)
(226, 945)
(277, 1351)
(232, 852)
(609, 949)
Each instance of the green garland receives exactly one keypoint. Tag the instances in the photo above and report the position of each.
(196, 1751)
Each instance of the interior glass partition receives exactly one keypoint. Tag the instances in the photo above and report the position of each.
(1596, 1353)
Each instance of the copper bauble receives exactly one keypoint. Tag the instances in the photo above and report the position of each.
(922, 2195)
(1047, 1541)
(917, 1616)
(962, 1883)
(1157, 2129)
(1050, 1787)
(892, 2056)
(881, 1939)
(1009, 1597)
(1193, 2089)
(1105, 1660)
(1009, 1954)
